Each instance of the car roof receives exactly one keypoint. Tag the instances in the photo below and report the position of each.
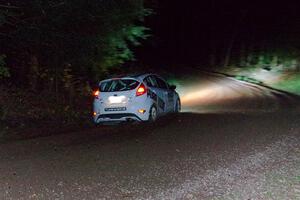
(139, 77)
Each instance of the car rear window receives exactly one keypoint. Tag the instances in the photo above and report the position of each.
(118, 85)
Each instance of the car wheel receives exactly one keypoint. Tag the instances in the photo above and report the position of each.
(152, 114)
(98, 124)
(177, 106)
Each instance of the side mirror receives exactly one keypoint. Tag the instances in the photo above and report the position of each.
(172, 87)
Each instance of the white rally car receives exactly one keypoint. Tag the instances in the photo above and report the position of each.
(134, 98)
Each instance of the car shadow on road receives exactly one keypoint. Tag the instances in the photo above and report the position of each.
(183, 125)
(170, 126)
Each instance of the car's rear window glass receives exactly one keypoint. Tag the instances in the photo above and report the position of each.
(118, 85)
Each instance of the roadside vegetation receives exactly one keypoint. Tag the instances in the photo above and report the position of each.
(272, 61)
(255, 46)
(279, 75)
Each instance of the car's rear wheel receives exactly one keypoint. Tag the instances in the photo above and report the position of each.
(152, 114)
(177, 106)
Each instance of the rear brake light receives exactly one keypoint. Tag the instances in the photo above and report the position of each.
(96, 94)
(141, 90)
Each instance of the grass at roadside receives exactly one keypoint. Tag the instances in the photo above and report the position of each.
(291, 83)
(288, 81)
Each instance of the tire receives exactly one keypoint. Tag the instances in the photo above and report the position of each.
(152, 114)
(177, 106)
(98, 124)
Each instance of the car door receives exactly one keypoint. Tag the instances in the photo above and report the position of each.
(156, 93)
(166, 94)
(171, 99)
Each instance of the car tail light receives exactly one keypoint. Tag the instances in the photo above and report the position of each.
(141, 90)
(96, 94)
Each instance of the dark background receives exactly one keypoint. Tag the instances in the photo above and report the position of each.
(189, 32)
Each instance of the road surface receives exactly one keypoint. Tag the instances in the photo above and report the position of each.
(233, 141)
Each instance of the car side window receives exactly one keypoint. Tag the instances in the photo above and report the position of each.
(154, 81)
(161, 83)
(150, 81)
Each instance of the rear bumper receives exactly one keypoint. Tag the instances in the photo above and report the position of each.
(117, 117)
(106, 113)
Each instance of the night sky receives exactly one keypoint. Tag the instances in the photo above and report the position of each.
(183, 32)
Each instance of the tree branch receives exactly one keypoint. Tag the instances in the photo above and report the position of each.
(9, 7)
(58, 4)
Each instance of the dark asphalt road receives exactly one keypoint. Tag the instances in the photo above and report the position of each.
(234, 141)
